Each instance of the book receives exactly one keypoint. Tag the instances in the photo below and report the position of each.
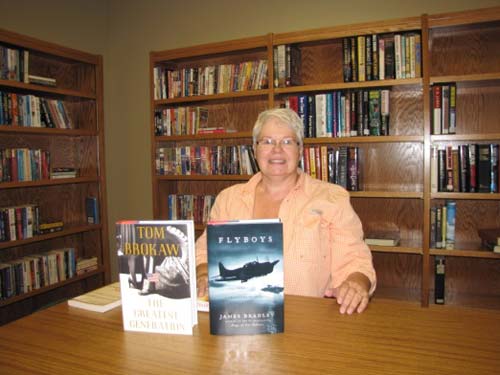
(451, 213)
(245, 277)
(40, 80)
(156, 264)
(490, 237)
(439, 279)
(99, 300)
(92, 210)
(382, 238)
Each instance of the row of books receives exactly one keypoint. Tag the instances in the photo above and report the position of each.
(206, 160)
(444, 108)
(14, 64)
(32, 272)
(180, 120)
(442, 230)
(287, 62)
(467, 168)
(18, 222)
(347, 113)
(209, 80)
(190, 207)
(382, 56)
(339, 165)
(33, 111)
(23, 164)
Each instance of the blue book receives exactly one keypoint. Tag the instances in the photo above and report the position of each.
(451, 212)
(245, 277)
(329, 114)
(92, 210)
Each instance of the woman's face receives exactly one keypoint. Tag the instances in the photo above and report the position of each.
(277, 150)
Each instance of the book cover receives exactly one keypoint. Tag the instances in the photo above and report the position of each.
(156, 263)
(99, 300)
(245, 271)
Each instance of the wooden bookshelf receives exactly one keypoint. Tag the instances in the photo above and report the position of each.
(79, 85)
(457, 47)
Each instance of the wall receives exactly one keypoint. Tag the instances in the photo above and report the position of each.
(125, 31)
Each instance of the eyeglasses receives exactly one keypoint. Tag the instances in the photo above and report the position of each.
(285, 143)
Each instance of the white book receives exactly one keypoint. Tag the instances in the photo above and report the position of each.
(157, 275)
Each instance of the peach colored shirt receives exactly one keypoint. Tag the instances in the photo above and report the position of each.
(323, 236)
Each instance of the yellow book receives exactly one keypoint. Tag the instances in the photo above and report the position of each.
(100, 300)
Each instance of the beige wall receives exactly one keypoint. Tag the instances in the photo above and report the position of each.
(124, 31)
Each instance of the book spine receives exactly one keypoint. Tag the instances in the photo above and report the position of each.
(439, 280)
(451, 212)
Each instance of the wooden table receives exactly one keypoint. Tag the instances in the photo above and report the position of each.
(390, 337)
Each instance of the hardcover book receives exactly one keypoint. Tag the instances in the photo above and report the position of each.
(245, 271)
(157, 275)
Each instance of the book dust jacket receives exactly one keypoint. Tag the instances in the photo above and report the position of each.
(245, 271)
(157, 275)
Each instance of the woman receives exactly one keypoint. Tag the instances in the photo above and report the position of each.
(324, 251)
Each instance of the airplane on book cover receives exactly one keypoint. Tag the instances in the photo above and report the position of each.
(248, 271)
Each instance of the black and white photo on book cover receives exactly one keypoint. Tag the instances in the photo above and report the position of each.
(245, 271)
(156, 263)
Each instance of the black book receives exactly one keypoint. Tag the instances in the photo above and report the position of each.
(441, 170)
(368, 58)
(439, 228)
(433, 227)
(341, 166)
(439, 279)
(390, 67)
(304, 113)
(484, 168)
(464, 168)
(352, 169)
(354, 59)
(346, 51)
(311, 116)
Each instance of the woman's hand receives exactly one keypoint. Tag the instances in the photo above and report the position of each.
(352, 295)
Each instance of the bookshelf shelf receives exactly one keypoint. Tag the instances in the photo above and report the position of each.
(387, 194)
(465, 137)
(47, 131)
(469, 196)
(100, 272)
(203, 98)
(415, 82)
(465, 253)
(194, 177)
(396, 168)
(34, 151)
(228, 135)
(53, 182)
(468, 80)
(396, 249)
(43, 237)
(367, 139)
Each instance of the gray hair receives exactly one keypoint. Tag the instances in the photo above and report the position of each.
(286, 116)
